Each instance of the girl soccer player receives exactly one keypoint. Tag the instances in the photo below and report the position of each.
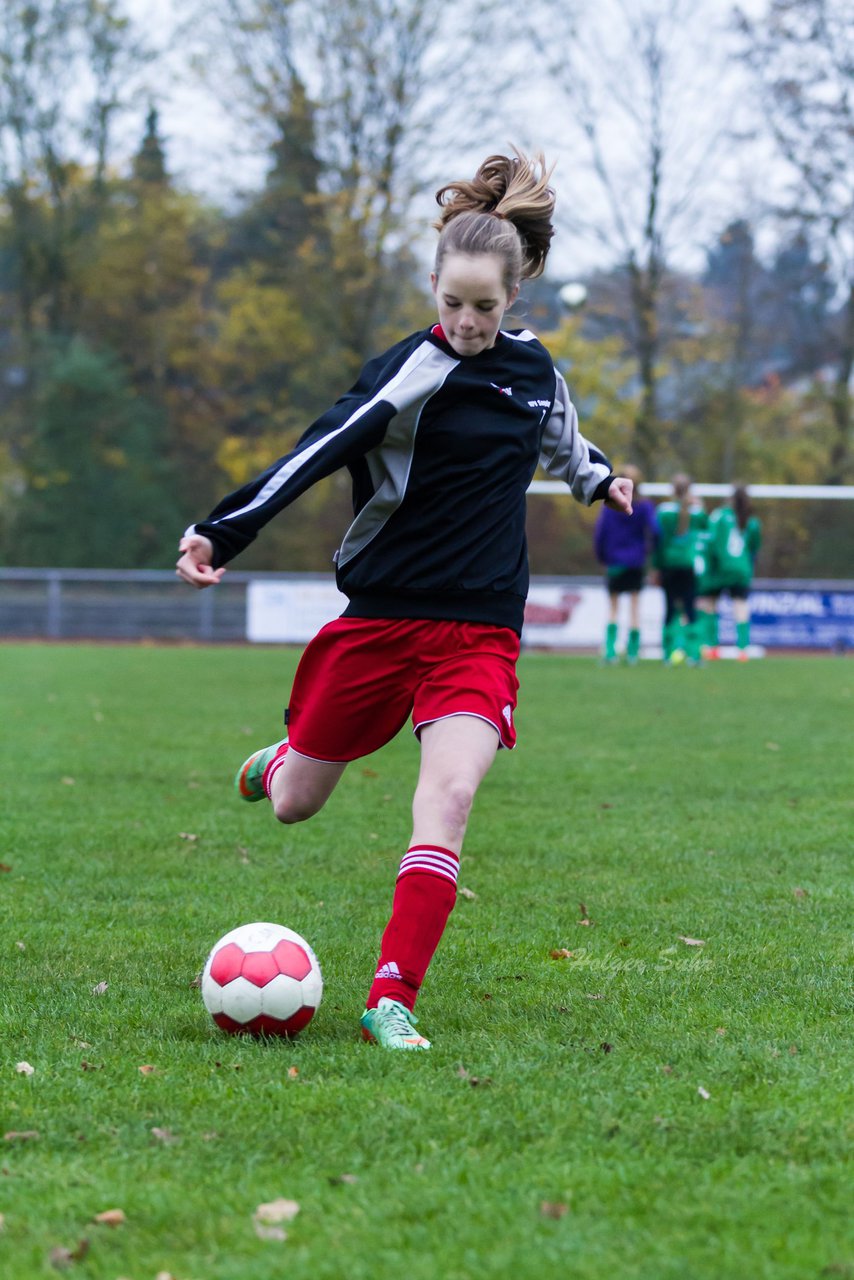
(441, 435)
(735, 535)
(623, 545)
(679, 523)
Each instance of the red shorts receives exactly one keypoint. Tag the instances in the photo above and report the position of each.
(360, 678)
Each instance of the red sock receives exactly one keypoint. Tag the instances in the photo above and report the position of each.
(424, 897)
(274, 766)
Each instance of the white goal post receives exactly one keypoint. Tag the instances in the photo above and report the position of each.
(657, 489)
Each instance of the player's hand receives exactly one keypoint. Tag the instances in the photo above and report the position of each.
(194, 565)
(620, 495)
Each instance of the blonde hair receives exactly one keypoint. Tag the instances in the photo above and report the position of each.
(506, 208)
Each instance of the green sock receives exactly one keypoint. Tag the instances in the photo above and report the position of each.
(633, 646)
(742, 634)
(712, 638)
(704, 621)
(693, 631)
(611, 641)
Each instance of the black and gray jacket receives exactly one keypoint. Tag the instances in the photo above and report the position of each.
(441, 449)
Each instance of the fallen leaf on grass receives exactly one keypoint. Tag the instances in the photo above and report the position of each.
(800, 893)
(594, 995)
(467, 893)
(22, 946)
(147, 1069)
(293, 1072)
(62, 1258)
(276, 1211)
(553, 1209)
(110, 1218)
(69, 782)
(772, 746)
(267, 1217)
(4, 866)
(21, 1135)
(561, 953)
(605, 1047)
(585, 914)
(197, 981)
(166, 1136)
(24, 1069)
(99, 988)
(187, 835)
(691, 942)
(343, 1179)
(474, 1081)
(704, 1093)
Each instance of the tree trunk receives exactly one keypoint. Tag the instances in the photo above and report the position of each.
(841, 399)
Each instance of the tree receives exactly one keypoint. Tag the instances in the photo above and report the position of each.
(145, 295)
(380, 77)
(642, 111)
(64, 65)
(97, 490)
(149, 165)
(802, 55)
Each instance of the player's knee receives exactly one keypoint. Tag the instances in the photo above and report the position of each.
(451, 800)
(290, 809)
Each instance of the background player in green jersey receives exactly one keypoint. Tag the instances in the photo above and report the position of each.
(707, 593)
(680, 520)
(735, 537)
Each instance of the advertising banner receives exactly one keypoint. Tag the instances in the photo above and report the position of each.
(796, 619)
(571, 613)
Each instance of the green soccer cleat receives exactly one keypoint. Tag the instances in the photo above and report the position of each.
(391, 1025)
(249, 779)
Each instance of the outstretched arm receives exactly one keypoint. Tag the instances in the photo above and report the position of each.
(195, 565)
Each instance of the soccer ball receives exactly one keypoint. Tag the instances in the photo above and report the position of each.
(262, 980)
(573, 295)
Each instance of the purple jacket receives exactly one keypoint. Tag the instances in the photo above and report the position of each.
(624, 540)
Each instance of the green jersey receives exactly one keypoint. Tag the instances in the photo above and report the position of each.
(733, 550)
(677, 550)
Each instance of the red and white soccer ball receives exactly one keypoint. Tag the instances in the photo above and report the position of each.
(262, 980)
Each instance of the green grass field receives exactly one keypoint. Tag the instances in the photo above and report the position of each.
(643, 1108)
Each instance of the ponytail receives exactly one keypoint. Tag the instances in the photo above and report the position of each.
(506, 208)
(742, 506)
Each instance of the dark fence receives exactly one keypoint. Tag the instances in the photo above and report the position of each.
(102, 604)
(151, 604)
